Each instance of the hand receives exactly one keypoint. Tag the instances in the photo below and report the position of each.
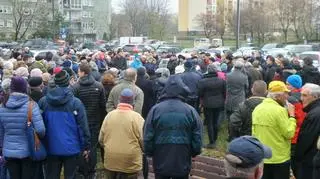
(291, 109)
(85, 155)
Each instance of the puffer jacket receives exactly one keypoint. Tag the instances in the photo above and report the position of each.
(92, 95)
(13, 126)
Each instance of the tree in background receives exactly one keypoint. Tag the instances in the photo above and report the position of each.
(25, 14)
(50, 28)
(207, 22)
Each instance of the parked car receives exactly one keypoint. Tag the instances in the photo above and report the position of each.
(140, 47)
(312, 54)
(186, 52)
(270, 46)
(168, 49)
(245, 51)
(278, 51)
(296, 50)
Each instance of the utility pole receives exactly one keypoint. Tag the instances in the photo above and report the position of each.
(238, 24)
(53, 27)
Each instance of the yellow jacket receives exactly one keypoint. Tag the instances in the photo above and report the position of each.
(121, 136)
(273, 127)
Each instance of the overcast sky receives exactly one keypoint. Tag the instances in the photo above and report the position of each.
(173, 5)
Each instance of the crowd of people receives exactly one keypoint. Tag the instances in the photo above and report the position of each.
(133, 107)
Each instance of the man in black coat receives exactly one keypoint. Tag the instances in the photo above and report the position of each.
(92, 95)
(306, 147)
(147, 87)
(241, 119)
(270, 70)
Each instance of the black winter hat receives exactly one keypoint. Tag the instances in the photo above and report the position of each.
(35, 81)
(62, 79)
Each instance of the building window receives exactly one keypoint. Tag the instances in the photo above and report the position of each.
(1, 23)
(76, 4)
(9, 23)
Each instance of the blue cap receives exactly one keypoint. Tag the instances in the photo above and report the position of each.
(127, 96)
(295, 81)
(249, 150)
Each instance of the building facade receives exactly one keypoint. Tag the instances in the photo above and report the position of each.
(189, 10)
(87, 19)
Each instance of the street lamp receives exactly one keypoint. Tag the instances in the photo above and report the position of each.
(238, 24)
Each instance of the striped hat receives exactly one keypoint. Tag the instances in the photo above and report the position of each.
(62, 79)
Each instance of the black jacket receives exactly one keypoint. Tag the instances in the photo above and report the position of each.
(212, 90)
(149, 94)
(119, 63)
(306, 147)
(241, 119)
(35, 94)
(310, 74)
(92, 95)
(269, 73)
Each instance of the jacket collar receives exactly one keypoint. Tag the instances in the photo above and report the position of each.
(125, 106)
(312, 105)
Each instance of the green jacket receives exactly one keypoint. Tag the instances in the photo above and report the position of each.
(114, 96)
(272, 125)
(38, 64)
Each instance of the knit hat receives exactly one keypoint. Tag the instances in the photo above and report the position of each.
(295, 81)
(36, 72)
(19, 85)
(35, 81)
(188, 64)
(57, 70)
(141, 71)
(46, 77)
(69, 71)
(179, 69)
(22, 72)
(127, 96)
(62, 79)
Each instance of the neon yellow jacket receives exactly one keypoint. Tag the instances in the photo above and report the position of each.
(273, 127)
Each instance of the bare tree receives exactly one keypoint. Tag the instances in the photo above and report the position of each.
(220, 23)
(282, 10)
(207, 22)
(24, 14)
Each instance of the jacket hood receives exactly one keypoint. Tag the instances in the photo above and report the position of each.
(87, 80)
(59, 96)
(16, 100)
(175, 88)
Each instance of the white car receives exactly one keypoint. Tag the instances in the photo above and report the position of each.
(245, 51)
(186, 52)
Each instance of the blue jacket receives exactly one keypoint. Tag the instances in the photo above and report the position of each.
(173, 132)
(13, 126)
(66, 122)
(191, 79)
(136, 64)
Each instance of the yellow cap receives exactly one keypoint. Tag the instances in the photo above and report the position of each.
(277, 86)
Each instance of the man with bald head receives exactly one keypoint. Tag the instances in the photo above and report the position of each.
(129, 79)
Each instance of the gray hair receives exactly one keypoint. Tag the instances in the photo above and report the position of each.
(314, 89)
(233, 171)
(275, 95)
(239, 64)
(130, 74)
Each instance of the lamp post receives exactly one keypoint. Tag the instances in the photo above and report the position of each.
(238, 24)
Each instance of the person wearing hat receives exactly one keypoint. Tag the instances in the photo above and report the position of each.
(244, 158)
(65, 118)
(35, 88)
(122, 159)
(307, 155)
(274, 124)
(294, 83)
(13, 135)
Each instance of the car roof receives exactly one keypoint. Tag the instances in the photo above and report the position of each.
(311, 52)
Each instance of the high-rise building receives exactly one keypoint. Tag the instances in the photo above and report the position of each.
(190, 9)
(86, 19)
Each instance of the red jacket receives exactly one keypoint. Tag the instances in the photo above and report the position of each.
(300, 115)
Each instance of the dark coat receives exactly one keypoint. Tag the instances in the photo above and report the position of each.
(96, 75)
(241, 119)
(149, 94)
(269, 73)
(310, 74)
(92, 95)
(237, 87)
(163, 136)
(212, 91)
(119, 63)
(191, 79)
(306, 147)
(35, 94)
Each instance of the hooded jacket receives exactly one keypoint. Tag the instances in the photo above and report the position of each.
(172, 126)
(310, 74)
(66, 121)
(13, 126)
(191, 79)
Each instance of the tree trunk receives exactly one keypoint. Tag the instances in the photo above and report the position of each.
(285, 32)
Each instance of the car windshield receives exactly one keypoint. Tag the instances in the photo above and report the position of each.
(269, 46)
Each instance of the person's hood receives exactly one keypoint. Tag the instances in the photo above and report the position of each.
(16, 100)
(87, 80)
(175, 88)
(59, 96)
